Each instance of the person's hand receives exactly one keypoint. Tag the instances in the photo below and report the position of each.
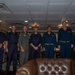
(36, 48)
(55, 49)
(43, 48)
(73, 48)
(18, 48)
(71, 45)
(59, 46)
(6, 49)
(0, 45)
(22, 49)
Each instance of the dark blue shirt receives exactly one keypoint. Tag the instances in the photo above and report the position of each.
(35, 39)
(2, 37)
(12, 38)
(49, 38)
(65, 35)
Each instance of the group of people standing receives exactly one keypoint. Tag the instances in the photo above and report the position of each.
(30, 46)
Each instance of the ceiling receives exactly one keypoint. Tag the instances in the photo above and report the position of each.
(44, 12)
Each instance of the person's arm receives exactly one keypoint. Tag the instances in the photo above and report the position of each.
(72, 41)
(4, 39)
(0, 45)
(22, 49)
(18, 47)
(55, 40)
(6, 45)
(40, 41)
(31, 42)
(43, 41)
(39, 45)
(59, 36)
(20, 42)
(3, 43)
(32, 45)
(35, 47)
(6, 42)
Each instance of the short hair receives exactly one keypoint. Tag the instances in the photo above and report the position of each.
(48, 27)
(64, 21)
(25, 26)
(13, 25)
(35, 27)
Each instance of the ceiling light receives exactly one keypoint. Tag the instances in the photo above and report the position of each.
(35, 25)
(26, 21)
(66, 21)
(30, 27)
(60, 26)
(10, 27)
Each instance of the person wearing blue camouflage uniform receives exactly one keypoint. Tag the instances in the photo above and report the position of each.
(35, 44)
(49, 43)
(65, 41)
(2, 40)
(12, 48)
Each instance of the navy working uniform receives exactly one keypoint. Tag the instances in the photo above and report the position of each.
(49, 43)
(2, 39)
(65, 39)
(35, 39)
(12, 38)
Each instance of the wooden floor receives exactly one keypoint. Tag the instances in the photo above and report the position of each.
(8, 73)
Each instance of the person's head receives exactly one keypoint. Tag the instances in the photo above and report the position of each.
(35, 29)
(25, 28)
(49, 29)
(13, 28)
(64, 24)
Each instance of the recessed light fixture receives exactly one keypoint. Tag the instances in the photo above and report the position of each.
(66, 21)
(60, 26)
(0, 20)
(26, 21)
(35, 25)
(30, 27)
(10, 27)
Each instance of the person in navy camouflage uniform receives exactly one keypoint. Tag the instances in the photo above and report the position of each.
(49, 43)
(65, 41)
(2, 40)
(35, 44)
(12, 48)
